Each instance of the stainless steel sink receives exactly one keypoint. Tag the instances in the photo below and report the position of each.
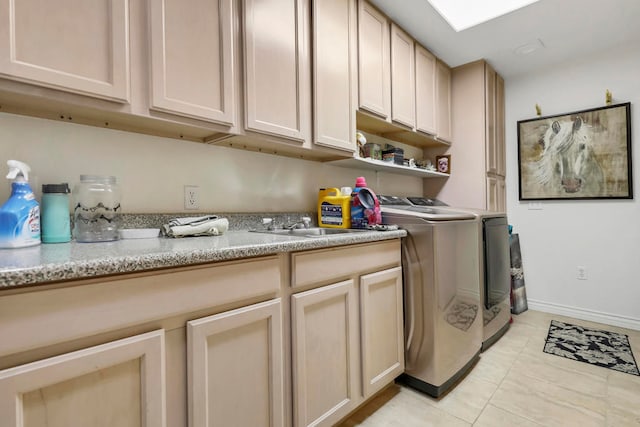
(309, 232)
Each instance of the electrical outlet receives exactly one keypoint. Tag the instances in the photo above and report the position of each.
(582, 272)
(191, 197)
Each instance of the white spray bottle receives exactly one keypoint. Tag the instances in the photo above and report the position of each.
(20, 215)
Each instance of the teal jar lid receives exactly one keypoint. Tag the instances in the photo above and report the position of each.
(56, 188)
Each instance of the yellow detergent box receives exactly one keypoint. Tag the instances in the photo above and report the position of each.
(334, 210)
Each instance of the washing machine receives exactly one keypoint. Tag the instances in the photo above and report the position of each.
(495, 277)
(442, 301)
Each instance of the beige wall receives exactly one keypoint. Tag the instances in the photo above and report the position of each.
(152, 170)
(556, 237)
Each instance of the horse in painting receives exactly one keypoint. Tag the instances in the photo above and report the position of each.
(568, 163)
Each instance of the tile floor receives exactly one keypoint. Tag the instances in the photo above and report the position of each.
(515, 384)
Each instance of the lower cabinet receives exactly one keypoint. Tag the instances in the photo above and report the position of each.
(381, 328)
(235, 367)
(120, 383)
(199, 346)
(224, 344)
(324, 325)
(347, 335)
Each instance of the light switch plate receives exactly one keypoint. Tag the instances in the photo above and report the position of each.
(535, 206)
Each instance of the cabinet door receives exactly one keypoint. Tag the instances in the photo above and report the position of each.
(490, 119)
(382, 328)
(425, 91)
(325, 354)
(492, 194)
(443, 101)
(403, 79)
(334, 83)
(277, 73)
(501, 195)
(192, 61)
(72, 45)
(374, 64)
(235, 367)
(501, 168)
(121, 383)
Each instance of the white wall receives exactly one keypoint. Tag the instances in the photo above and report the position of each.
(603, 235)
(152, 170)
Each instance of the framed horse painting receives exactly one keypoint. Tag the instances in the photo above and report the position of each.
(580, 155)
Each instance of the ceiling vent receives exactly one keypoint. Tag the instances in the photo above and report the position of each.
(529, 48)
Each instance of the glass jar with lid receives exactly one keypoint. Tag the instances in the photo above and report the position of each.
(96, 209)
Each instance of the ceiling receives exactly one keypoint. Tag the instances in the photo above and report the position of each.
(568, 29)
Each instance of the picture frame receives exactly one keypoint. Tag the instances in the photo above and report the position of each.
(443, 163)
(579, 155)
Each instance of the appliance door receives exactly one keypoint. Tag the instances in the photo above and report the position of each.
(497, 279)
(413, 264)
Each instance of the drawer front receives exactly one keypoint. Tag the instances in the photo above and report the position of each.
(63, 314)
(329, 265)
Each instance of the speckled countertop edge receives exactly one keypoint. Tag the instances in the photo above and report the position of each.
(45, 264)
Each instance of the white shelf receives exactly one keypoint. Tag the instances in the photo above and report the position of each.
(379, 165)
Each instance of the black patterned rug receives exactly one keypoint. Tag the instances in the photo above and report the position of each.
(602, 348)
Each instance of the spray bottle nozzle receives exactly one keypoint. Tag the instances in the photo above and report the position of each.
(17, 168)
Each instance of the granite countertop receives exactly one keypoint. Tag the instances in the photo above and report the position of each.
(48, 263)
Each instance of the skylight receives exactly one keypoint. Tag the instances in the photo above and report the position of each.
(463, 14)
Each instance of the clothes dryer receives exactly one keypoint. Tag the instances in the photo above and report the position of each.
(495, 277)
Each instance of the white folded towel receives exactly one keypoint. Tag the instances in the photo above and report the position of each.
(191, 220)
(200, 226)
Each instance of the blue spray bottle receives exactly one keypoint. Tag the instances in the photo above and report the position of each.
(20, 215)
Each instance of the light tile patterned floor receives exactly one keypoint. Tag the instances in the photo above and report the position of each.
(516, 384)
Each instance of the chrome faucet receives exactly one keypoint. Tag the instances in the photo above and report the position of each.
(269, 224)
(304, 222)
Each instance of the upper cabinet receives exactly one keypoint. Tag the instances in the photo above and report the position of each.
(443, 102)
(70, 45)
(494, 139)
(402, 86)
(499, 148)
(277, 76)
(494, 110)
(153, 67)
(286, 77)
(425, 91)
(490, 121)
(374, 66)
(192, 59)
(334, 80)
(477, 100)
(501, 167)
(403, 78)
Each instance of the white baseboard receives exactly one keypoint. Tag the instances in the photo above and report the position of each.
(580, 313)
